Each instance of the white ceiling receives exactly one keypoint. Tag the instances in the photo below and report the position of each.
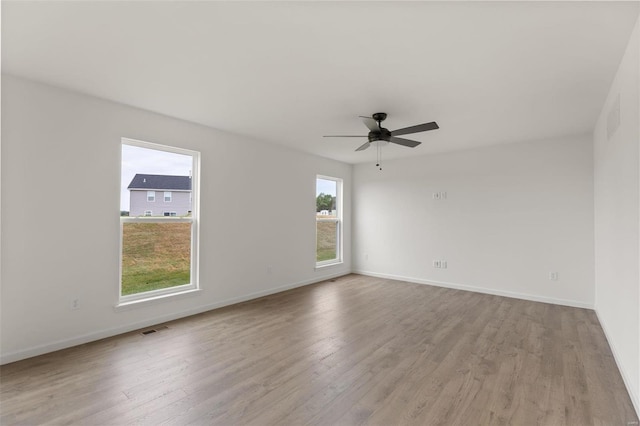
(290, 72)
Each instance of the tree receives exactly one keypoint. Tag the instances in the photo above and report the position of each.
(325, 202)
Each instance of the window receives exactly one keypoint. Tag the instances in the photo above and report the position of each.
(158, 253)
(167, 197)
(328, 220)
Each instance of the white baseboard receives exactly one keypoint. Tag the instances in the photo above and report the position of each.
(456, 286)
(91, 337)
(635, 398)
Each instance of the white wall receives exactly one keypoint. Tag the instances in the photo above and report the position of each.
(617, 227)
(513, 213)
(60, 147)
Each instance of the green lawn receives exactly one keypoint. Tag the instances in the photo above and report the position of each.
(155, 256)
(325, 241)
(158, 255)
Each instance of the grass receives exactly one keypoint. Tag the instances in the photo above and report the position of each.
(158, 255)
(155, 256)
(325, 240)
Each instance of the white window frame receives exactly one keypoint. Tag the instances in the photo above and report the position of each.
(170, 196)
(169, 214)
(338, 220)
(134, 299)
(151, 196)
(148, 215)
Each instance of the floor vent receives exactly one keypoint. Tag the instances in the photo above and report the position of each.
(154, 330)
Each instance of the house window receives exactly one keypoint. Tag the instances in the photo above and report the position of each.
(158, 253)
(167, 197)
(328, 220)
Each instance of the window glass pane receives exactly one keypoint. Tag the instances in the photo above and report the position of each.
(326, 240)
(326, 191)
(148, 174)
(157, 248)
(155, 256)
(327, 220)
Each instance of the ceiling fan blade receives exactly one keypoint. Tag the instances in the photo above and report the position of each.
(370, 123)
(404, 142)
(343, 136)
(415, 129)
(363, 147)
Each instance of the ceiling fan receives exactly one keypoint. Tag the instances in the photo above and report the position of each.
(381, 136)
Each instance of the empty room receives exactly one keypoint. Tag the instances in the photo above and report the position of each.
(319, 212)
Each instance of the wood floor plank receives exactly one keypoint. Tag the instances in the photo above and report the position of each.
(356, 350)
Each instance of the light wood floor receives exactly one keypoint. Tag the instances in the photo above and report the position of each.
(357, 350)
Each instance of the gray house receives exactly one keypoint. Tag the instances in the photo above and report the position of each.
(160, 195)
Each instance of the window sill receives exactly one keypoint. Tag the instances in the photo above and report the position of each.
(326, 265)
(154, 300)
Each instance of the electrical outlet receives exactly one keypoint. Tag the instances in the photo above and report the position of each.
(553, 276)
(440, 264)
(269, 269)
(436, 195)
(75, 304)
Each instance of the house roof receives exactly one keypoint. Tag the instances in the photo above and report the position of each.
(160, 182)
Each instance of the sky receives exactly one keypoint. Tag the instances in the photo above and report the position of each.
(326, 186)
(149, 161)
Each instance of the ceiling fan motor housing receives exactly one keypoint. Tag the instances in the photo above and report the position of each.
(382, 135)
